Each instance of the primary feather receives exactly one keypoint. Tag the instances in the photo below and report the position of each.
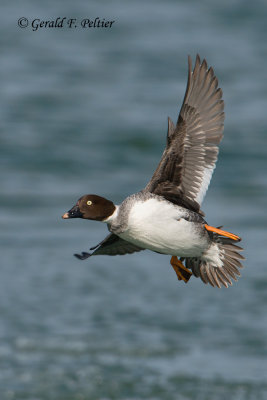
(187, 164)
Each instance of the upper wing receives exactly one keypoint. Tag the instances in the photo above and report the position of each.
(185, 169)
(112, 245)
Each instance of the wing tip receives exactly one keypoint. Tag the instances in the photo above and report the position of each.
(171, 129)
(83, 256)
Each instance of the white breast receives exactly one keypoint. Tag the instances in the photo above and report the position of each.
(159, 226)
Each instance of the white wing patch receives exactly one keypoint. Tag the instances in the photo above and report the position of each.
(206, 178)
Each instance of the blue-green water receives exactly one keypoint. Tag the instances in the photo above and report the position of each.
(85, 111)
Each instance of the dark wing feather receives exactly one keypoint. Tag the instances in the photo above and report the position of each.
(112, 245)
(185, 169)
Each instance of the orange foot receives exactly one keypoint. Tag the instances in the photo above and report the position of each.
(181, 271)
(223, 233)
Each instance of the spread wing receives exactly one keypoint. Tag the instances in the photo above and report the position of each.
(185, 169)
(112, 245)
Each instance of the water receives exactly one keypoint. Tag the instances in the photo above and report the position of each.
(86, 111)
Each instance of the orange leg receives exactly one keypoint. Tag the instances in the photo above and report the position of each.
(181, 271)
(223, 233)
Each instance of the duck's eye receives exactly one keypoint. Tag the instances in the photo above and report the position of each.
(89, 202)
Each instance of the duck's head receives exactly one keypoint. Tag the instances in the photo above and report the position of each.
(91, 206)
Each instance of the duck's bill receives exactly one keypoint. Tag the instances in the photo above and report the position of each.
(74, 212)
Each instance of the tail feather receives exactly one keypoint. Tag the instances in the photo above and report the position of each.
(230, 271)
(203, 274)
(234, 268)
(220, 264)
(214, 276)
(224, 277)
(230, 247)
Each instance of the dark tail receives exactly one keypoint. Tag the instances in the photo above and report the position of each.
(219, 264)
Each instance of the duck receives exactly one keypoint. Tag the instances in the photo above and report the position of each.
(166, 217)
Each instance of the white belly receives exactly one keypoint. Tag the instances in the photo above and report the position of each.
(159, 226)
